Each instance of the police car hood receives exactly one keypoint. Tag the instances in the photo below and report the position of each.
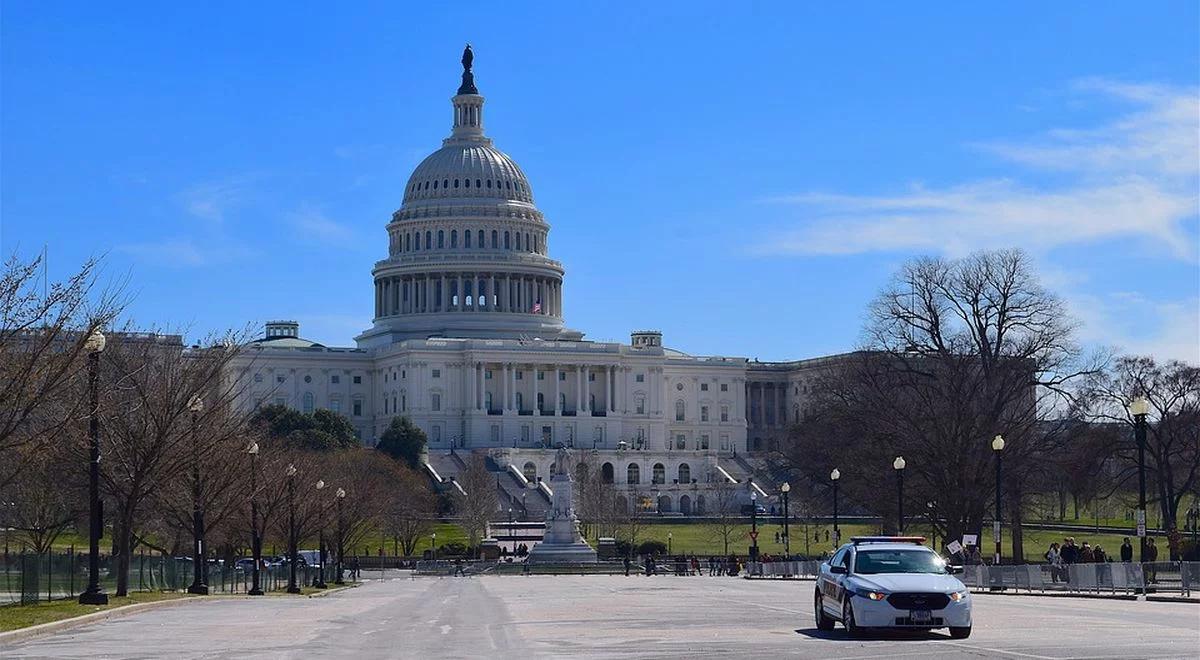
(908, 582)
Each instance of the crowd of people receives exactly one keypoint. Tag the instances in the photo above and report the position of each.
(1061, 557)
(689, 565)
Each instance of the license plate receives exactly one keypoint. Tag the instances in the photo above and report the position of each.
(920, 616)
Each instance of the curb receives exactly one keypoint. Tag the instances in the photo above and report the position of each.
(22, 634)
(334, 590)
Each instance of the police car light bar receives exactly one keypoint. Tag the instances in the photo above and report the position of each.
(856, 540)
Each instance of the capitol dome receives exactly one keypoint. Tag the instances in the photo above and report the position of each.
(467, 249)
(467, 170)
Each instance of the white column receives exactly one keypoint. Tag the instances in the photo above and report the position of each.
(504, 389)
(471, 392)
(536, 409)
(612, 389)
(491, 294)
(587, 384)
(512, 375)
(557, 409)
(578, 388)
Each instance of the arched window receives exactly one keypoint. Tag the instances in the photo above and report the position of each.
(441, 239)
(456, 183)
(428, 240)
(517, 241)
(418, 242)
(606, 473)
(489, 183)
(495, 239)
(478, 183)
(467, 183)
(633, 474)
(467, 239)
(664, 503)
(453, 238)
(520, 401)
(487, 400)
(480, 243)
(685, 505)
(435, 184)
(445, 183)
(529, 471)
(426, 186)
(699, 505)
(679, 410)
(308, 402)
(660, 474)
(685, 473)
(507, 241)
(407, 242)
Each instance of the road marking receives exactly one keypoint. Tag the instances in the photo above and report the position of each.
(446, 630)
(1005, 652)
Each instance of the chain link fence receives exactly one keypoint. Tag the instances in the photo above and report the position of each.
(27, 577)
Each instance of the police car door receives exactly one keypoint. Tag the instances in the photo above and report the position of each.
(831, 583)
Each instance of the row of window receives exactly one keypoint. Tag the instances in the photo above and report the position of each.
(480, 184)
(508, 240)
(308, 404)
(334, 379)
(681, 412)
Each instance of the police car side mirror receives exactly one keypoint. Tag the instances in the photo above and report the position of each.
(954, 570)
(837, 569)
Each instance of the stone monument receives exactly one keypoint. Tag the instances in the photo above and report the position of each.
(562, 543)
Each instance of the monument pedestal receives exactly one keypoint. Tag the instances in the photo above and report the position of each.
(562, 543)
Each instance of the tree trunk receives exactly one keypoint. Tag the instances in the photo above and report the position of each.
(1062, 505)
(1017, 532)
(1075, 501)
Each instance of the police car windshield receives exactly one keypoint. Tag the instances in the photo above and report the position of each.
(869, 562)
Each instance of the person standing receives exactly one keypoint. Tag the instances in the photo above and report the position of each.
(1151, 557)
(1054, 560)
(1126, 551)
(1086, 555)
(627, 565)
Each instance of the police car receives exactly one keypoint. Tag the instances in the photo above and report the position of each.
(891, 582)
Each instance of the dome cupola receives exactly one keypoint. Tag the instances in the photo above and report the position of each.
(467, 250)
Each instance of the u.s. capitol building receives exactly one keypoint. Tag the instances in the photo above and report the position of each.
(469, 341)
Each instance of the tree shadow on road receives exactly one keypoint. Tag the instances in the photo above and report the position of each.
(872, 635)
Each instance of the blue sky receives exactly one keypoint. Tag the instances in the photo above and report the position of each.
(745, 179)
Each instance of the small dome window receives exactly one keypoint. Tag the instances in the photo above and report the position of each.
(456, 183)
(467, 183)
(508, 184)
(435, 184)
(477, 183)
(489, 183)
(445, 183)
(426, 185)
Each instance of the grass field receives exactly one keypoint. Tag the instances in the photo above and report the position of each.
(13, 617)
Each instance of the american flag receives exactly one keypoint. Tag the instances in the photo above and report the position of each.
(537, 307)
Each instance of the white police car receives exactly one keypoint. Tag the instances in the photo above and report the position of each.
(891, 582)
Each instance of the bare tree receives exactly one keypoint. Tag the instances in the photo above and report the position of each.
(43, 502)
(481, 501)
(146, 413)
(412, 509)
(43, 327)
(1173, 433)
(724, 521)
(956, 353)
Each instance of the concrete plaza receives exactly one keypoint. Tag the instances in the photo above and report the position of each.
(606, 616)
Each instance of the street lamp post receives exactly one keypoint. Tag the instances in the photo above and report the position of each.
(293, 552)
(753, 526)
(433, 545)
(320, 537)
(1140, 407)
(255, 538)
(94, 594)
(341, 535)
(669, 536)
(898, 466)
(997, 448)
(834, 476)
(199, 565)
(787, 544)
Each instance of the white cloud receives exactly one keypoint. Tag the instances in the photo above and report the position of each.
(184, 252)
(312, 224)
(1139, 326)
(212, 200)
(1135, 177)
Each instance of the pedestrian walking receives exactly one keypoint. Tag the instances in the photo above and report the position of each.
(627, 562)
(1151, 557)
(696, 565)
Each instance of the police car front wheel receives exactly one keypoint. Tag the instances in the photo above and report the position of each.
(960, 633)
(824, 622)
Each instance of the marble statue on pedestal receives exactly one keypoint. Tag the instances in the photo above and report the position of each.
(562, 543)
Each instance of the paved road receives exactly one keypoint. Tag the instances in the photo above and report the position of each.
(602, 616)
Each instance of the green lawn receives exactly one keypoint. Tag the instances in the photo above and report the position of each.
(703, 540)
(13, 617)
